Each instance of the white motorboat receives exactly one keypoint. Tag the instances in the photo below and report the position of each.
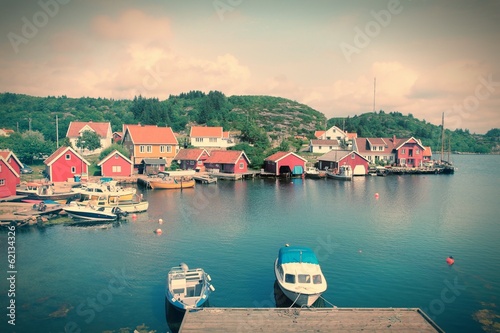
(92, 213)
(299, 275)
(92, 191)
(188, 288)
(343, 173)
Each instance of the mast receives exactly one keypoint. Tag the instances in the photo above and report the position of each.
(374, 88)
(57, 132)
(442, 138)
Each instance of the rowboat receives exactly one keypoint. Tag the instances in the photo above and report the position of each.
(171, 183)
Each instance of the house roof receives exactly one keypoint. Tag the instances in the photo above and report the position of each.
(151, 134)
(324, 142)
(191, 154)
(75, 127)
(226, 156)
(406, 140)
(282, 154)
(113, 153)
(351, 136)
(9, 166)
(338, 155)
(154, 161)
(427, 152)
(206, 132)
(8, 153)
(319, 133)
(61, 151)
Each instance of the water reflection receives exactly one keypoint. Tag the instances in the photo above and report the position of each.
(174, 316)
(284, 302)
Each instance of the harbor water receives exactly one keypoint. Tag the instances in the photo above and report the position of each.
(381, 242)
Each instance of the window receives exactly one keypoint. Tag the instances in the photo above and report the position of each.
(73, 169)
(142, 149)
(117, 168)
(317, 279)
(199, 140)
(289, 278)
(116, 156)
(304, 278)
(2, 182)
(417, 151)
(68, 157)
(169, 149)
(380, 148)
(199, 162)
(353, 156)
(212, 140)
(242, 166)
(149, 148)
(162, 149)
(403, 151)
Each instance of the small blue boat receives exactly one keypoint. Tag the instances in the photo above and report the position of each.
(188, 288)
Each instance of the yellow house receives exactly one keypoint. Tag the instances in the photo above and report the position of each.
(150, 142)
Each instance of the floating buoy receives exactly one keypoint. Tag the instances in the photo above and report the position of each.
(158, 231)
(160, 221)
(450, 261)
(134, 216)
(376, 195)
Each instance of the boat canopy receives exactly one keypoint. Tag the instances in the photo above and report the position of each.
(293, 254)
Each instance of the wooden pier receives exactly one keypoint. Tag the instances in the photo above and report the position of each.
(307, 320)
(205, 179)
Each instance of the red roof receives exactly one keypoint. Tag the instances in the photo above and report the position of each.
(324, 142)
(9, 166)
(151, 134)
(191, 154)
(75, 127)
(319, 133)
(205, 132)
(226, 156)
(427, 152)
(59, 152)
(112, 154)
(7, 153)
(281, 154)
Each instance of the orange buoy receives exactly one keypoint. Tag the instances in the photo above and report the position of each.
(134, 216)
(158, 231)
(450, 261)
(376, 195)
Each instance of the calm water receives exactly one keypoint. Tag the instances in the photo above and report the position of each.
(385, 252)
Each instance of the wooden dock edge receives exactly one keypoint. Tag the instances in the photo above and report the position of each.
(307, 319)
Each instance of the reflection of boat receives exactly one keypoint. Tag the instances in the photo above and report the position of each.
(171, 183)
(314, 173)
(38, 191)
(92, 191)
(188, 288)
(299, 275)
(109, 201)
(344, 173)
(92, 213)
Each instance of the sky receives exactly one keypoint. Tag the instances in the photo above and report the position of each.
(342, 58)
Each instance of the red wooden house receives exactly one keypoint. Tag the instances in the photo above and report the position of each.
(66, 164)
(9, 178)
(192, 158)
(282, 162)
(409, 152)
(335, 158)
(14, 162)
(115, 165)
(227, 161)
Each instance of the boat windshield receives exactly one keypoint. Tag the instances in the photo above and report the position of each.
(317, 279)
(304, 278)
(289, 278)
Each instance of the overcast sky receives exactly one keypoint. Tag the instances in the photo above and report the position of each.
(428, 57)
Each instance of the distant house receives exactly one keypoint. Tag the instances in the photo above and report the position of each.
(335, 158)
(66, 164)
(150, 142)
(281, 163)
(427, 155)
(227, 161)
(152, 166)
(103, 129)
(404, 152)
(192, 158)
(6, 132)
(116, 164)
(323, 146)
(335, 133)
(117, 137)
(209, 137)
(14, 162)
(9, 178)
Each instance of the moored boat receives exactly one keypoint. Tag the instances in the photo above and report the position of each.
(171, 183)
(42, 192)
(137, 205)
(91, 213)
(92, 191)
(314, 173)
(344, 172)
(188, 288)
(299, 275)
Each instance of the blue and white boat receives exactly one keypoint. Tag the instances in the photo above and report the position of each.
(299, 275)
(91, 213)
(188, 288)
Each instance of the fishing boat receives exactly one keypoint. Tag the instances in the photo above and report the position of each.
(344, 172)
(92, 213)
(92, 191)
(444, 166)
(299, 275)
(42, 192)
(136, 205)
(171, 182)
(314, 173)
(188, 288)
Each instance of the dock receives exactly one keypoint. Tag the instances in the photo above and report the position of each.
(205, 179)
(307, 320)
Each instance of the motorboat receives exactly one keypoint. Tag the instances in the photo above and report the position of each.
(92, 213)
(314, 173)
(92, 191)
(299, 275)
(42, 192)
(188, 288)
(136, 205)
(344, 172)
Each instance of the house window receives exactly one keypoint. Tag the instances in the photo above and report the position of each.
(403, 151)
(380, 148)
(199, 139)
(242, 166)
(116, 156)
(0, 168)
(191, 162)
(212, 140)
(149, 148)
(2, 182)
(417, 151)
(162, 149)
(200, 162)
(68, 157)
(142, 149)
(169, 149)
(117, 168)
(73, 169)
(319, 147)
(353, 156)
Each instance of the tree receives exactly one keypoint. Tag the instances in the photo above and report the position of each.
(105, 152)
(89, 140)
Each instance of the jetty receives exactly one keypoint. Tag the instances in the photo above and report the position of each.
(307, 320)
(205, 179)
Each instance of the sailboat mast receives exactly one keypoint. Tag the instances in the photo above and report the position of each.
(442, 138)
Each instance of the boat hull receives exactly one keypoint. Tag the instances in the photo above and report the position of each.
(338, 177)
(93, 214)
(188, 288)
(159, 184)
(300, 299)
